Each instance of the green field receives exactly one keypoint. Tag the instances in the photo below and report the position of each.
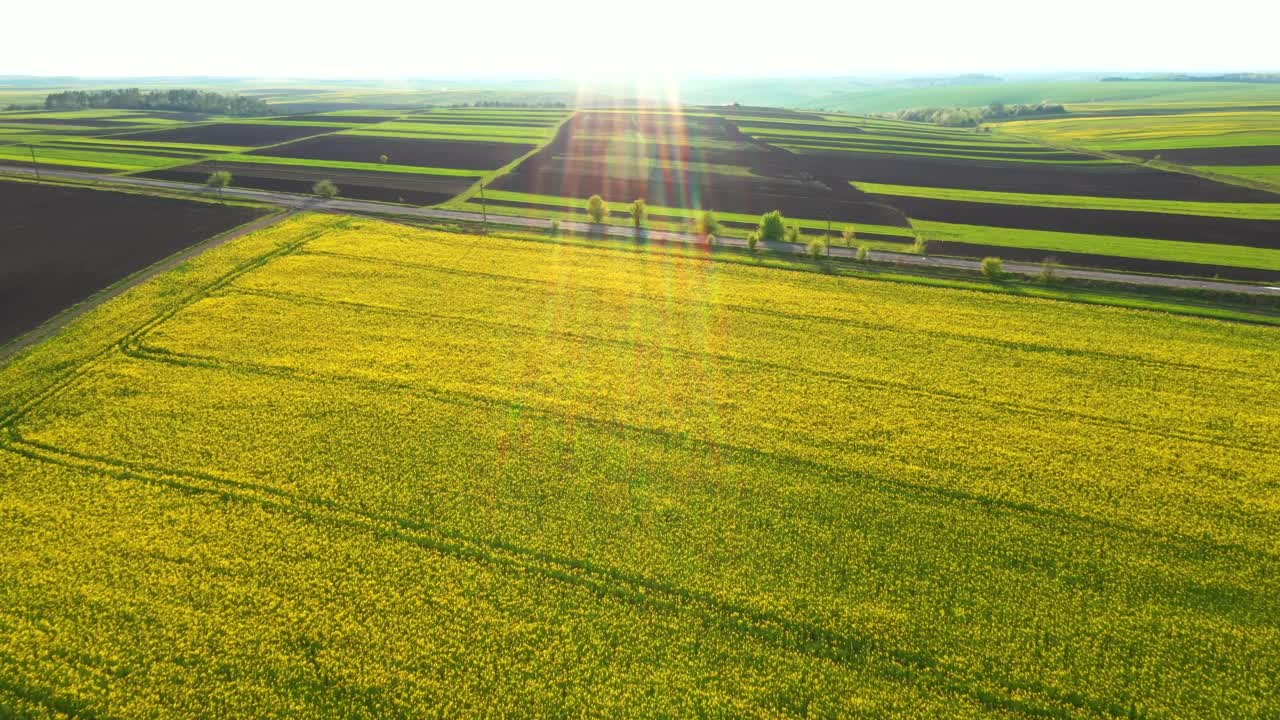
(1164, 132)
(584, 481)
(1226, 129)
(1122, 247)
(554, 207)
(778, 159)
(1078, 95)
(116, 150)
(1257, 211)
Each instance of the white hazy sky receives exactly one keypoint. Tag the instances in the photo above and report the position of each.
(577, 39)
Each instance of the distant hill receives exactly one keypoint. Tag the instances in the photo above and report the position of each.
(1229, 77)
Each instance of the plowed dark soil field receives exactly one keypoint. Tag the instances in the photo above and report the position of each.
(1103, 262)
(403, 151)
(234, 134)
(64, 244)
(82, 122)
(390, 187)
(579, 163)
(621, 213)
(1106, 180)
(1241, 156)
(1159, 226)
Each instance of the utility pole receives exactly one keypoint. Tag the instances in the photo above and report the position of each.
(484, 210)
(35, 167)
(828, 243)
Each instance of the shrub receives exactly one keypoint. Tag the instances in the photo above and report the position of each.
(816, 248)
(707, 223)
(864, 251)
(753, 239)
(772, 226)
(850, 236)
(554, 228)
(992, 267)
(793, 234)
(219, 180)
(383, 159)
(1049, 271)
(638, 213)
(597, 209)
(325, 189)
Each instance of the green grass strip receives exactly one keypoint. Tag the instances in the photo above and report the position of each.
(1252, 211)
(1259, 172)
(1140, 248)
(87, 158)
(417, 128)
(553, 202)
(442, 136)
(974, 141)
(345, 165)
(893, 151)
(144, 145)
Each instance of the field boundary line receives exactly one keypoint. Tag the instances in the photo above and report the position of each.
(918, 669)
(835, 376)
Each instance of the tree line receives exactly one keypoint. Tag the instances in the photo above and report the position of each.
(972, 117)
(200, 101)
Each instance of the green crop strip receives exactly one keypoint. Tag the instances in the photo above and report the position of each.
(1009, 158)
(86, 158)
(460, 132)
(1142, 248)
(554, 205)
(1254, 211)
(1259, 172)
(345, 165)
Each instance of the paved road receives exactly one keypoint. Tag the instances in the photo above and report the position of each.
(361, 207)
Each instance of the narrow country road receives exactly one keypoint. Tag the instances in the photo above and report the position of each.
(362, 207)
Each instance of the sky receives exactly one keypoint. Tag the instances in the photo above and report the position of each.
(581, 40)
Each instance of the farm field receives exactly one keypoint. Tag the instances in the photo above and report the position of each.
(980, 194)
(1229, 141)
(63, 244)
(680, 163)
(596, 481)
(967, 193)
(71, 139)
(1077, 96)
(431, 155)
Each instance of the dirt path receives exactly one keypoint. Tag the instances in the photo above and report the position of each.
(363, 207)
(53, 325)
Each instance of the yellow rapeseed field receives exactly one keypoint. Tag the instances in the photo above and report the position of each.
(343, 468)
